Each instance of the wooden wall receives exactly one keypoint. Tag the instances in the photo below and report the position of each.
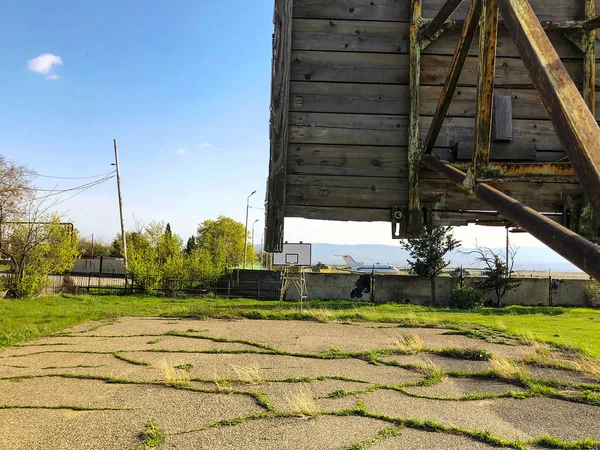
(346, 156)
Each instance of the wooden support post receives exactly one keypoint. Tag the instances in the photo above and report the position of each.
(434, 27)
(589, 61)
(280, 106)
(488, 36)
(573, 122)
(458, 62)
(415, 216)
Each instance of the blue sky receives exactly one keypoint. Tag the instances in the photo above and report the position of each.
(184, 86)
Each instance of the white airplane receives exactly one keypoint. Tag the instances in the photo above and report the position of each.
(361, 267)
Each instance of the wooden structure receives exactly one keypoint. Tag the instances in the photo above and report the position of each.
(437, 111)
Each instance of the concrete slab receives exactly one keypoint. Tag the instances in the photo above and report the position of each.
(87, 351)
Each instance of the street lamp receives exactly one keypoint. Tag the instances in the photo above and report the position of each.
(246, 229)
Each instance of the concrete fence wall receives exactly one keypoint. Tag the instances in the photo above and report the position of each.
(416, 290)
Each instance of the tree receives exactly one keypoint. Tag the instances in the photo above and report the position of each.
(191, 246)
(428, 251)
(100, 248)
(155, 257)
(37, 248)
(498, 272)
(223, 242)
(16, 191)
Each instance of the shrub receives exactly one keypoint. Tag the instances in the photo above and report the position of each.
(591, 292)
(465, 298)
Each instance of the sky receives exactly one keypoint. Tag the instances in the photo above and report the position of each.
(183, 86)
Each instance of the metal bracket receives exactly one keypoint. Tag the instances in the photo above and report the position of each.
(577, 37)
(424, 40)
(399, 221)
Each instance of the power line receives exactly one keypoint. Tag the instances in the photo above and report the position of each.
(82, 188)
(74, 178)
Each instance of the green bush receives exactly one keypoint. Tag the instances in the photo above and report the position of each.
(591, 291)
(465, 298)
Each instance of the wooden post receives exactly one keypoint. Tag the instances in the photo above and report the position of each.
(589, 61)
(573, 122)
(458, 62)
(280, 106)
(123, 238)
(415, 153)
(488, 35)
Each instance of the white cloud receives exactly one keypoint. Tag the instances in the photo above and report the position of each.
(45, 65)
(205, 145)
(181, 151)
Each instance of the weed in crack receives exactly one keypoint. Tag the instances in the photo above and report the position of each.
(507, 369)
(152, 436)
(119, 355)
(302, 403)
(173, 376)
(408, 345)
(247, 374)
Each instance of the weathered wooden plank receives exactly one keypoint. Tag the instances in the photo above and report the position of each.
(352, 98)
(341, 214)
(327, 190)
(543, 156)
(280, 85)
(309, 159)
(387, 68)
(368, 192)
(390, 37)
(383, 215)
(314, 159)
(378, 130)
(501, 151)
(502, 118)
(394, 10)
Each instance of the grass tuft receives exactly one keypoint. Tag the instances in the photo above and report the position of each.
(408, 345)
(152, 436)
(554, 442)
(589, 367)
(322, 315)
(302, 403)
(247, 374)
(433, 373)
(508, 370)
(173, 376)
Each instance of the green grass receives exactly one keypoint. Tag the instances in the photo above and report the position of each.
(22, 320)
(152, 436)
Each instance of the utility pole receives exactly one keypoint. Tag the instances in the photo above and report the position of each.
(124, 240)
(92, 245)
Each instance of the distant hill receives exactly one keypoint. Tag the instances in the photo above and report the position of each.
(528, 258)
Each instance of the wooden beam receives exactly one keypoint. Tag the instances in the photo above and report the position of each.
(280, 88)
(398, 11)
(415, 145)
(574, 123)
(485, 87)
(458, 62)
(589, 60)
(566, 243)
(433, 28)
